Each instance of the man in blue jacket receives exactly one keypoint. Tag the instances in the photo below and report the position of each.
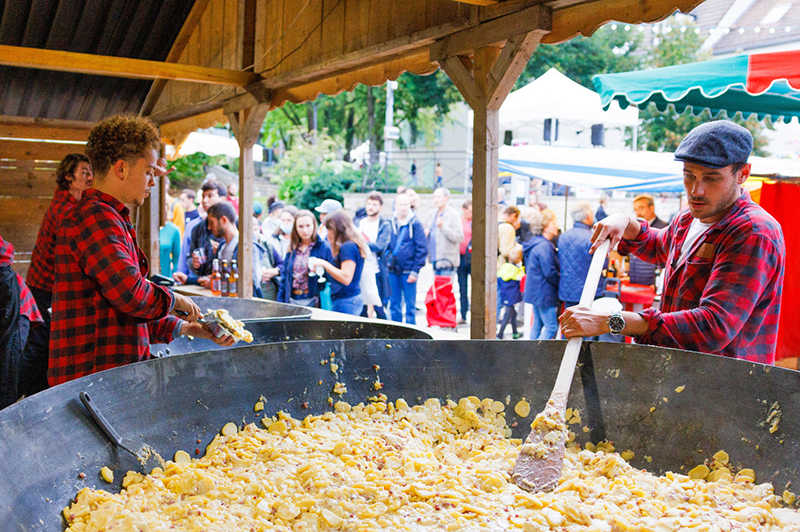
(407, 252)
(542, 268)
(574, 257)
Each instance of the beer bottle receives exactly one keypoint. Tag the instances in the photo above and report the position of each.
(224, 279)
(216, 279)
(233, 280)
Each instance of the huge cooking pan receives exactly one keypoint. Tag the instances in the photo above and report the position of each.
(265, 332)
(252, 309)
(46, 441)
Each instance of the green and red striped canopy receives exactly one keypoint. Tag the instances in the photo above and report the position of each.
(761, 84)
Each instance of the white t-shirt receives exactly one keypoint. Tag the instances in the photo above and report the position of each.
(370, 230)
(696, 230)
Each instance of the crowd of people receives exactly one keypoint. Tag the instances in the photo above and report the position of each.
(88, 269)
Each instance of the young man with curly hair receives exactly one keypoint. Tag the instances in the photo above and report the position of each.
(105, 311)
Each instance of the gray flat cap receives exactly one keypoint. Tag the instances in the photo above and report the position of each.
(328, 205)
(716, 145)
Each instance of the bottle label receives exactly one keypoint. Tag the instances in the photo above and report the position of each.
(216, 286)
(232, 289)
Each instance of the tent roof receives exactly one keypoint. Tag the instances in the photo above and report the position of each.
(554, 95)
(760, 84)
(599, 168)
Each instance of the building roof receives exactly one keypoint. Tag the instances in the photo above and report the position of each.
(753, 25)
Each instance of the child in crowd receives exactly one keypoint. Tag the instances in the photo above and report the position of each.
(509, 276)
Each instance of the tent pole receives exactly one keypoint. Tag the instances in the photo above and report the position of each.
(635, 137)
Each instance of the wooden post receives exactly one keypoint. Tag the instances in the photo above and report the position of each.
(148, 217)
(246, 126)
(485, 81)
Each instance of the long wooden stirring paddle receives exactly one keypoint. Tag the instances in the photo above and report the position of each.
(541, 457)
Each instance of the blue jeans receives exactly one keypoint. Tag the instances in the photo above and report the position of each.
(464, 270)
(348, 305)
(545, 323)
(402, 289)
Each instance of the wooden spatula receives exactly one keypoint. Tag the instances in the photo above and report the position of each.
(541, 457)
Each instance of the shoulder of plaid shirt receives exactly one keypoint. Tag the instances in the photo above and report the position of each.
(105, 311)
(728, 303)
(40, 273)
(28, 306)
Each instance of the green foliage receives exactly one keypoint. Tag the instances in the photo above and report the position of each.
(190, 170)
(326, 185)
(608, 50)
(311, 155)
(346, 118)
(664, 131)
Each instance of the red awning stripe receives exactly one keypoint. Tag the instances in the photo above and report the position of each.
(763, 69)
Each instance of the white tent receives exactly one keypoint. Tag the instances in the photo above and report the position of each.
(554, 95)
(215, 145)
(598, 168)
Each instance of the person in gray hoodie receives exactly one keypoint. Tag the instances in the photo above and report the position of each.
(445, 233)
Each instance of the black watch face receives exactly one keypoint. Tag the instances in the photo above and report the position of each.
(616, 324)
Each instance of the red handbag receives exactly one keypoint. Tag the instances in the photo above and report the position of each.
(440, 303)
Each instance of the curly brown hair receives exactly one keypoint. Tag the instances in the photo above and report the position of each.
(125, 137)
(67, 168)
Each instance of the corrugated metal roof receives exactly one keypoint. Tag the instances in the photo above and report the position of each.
(143, 29)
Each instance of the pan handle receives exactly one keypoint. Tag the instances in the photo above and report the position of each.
(101, 421)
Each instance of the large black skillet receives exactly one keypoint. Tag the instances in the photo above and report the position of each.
(270, 331)
(48, 440)
(252, 309)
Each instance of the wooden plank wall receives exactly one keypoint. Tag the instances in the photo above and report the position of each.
(27, 188)
(214, 44)
(293, 36)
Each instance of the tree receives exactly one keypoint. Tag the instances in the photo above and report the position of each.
(675, 44)
(190, 170)
(613, 48)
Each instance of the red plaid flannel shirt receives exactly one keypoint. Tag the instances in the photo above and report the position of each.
(40, 274)
(28, 306)
(726, 299)
(105, 311)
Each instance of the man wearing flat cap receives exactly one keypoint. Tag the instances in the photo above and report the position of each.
(723, 258)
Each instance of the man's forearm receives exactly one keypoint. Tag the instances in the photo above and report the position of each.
(633, 228)
(635, 324)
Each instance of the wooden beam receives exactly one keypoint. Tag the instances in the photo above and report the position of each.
(39, 151)
(477, 2)
(246, 125)
(537, 18)
(512, 61)
(462, 79)
(174, 55)
(485, 86)
(43, 128)
(586, 18)
(122, 67)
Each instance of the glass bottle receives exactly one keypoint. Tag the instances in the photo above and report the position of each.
(216, 279)
(224, 279)
(233, 280)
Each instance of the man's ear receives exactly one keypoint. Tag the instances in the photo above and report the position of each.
(119, 169)
(744, 173)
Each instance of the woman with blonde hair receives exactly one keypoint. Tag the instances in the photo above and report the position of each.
(543, 272)
(299, 285)
(349, 250)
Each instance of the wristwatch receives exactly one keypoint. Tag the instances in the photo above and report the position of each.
(616, 323)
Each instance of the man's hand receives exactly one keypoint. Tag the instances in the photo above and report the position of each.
(199, 330)
(214, 246)
(440, 221)
(161, 168)
(180, 277)
(269, 273)
(411, 278)
(614, 227)
(581, 321)
(204, 281)
(190, 311)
